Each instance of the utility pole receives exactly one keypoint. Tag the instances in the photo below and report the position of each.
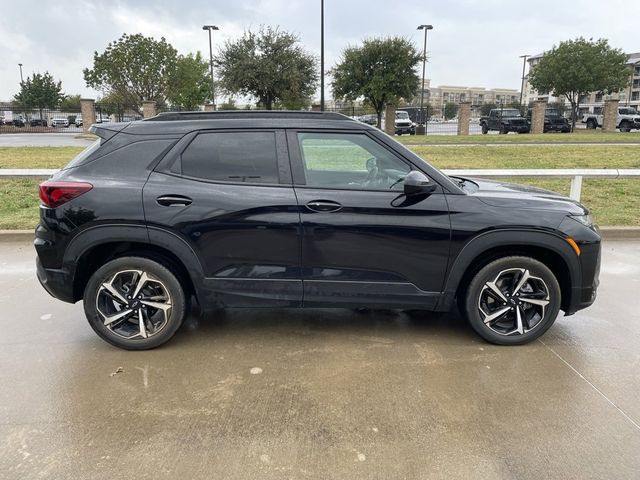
(524, 64)
(422, 129)
(322, 55)
(210, 28)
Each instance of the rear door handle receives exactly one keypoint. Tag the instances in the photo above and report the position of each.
(323, 206)
(174, 201)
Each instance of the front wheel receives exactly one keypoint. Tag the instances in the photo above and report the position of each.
(512, 301)
(625, 127)
(485, 129)
(134, 303)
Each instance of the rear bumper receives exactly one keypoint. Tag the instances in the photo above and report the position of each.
(57, 282)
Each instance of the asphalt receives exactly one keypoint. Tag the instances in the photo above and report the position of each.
(44, 140)
(333, 394)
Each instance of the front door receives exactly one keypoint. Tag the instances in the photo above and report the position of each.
(364, 242)
(228, 195)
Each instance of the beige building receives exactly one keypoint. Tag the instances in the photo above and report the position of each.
(439, 96)
(593, 102)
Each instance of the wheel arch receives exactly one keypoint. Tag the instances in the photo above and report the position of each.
(550, 249)
(98, 245)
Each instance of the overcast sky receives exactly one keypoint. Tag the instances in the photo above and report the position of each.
(474, 42)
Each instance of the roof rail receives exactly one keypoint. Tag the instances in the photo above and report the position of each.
(228, 114)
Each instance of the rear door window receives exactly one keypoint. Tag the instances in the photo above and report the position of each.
(237, 157)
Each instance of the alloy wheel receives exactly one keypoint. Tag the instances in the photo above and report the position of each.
(514, 303)
(134, 304)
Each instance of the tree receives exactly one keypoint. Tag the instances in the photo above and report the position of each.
(450, 110)
(381, 71)
(70, 103)
(40, 91)
(190, 86)
(577, 67)
(230, 104)
(268, 65)
(134, 68)
(486, 108)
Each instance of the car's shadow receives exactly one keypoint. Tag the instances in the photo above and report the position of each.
(249, 322)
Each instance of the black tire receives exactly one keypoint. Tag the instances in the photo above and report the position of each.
(485, 129)
(591, 124)
(159, 272)
(625, 126)
(503, 130)
(472, 300)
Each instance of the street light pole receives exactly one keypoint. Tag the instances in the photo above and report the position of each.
(21, 79)
(322, 55)
(209, 28)
(423, 129)
(524, 64)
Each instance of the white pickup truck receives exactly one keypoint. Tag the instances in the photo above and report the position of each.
(628, 119)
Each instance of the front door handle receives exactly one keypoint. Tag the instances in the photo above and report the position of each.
(323, 206)
(174, 201)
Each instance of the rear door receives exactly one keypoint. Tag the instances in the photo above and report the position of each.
(228, 196)
(364, 242)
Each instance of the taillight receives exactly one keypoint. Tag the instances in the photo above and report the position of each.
(53, 194)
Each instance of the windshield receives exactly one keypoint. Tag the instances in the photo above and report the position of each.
(552, 113)
(402, 115)
(509, 112)
(628, 111)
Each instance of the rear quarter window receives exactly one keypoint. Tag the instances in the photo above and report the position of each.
(236, 157)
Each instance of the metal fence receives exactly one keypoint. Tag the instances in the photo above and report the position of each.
(16, 119)
(576, 175)
(116, 112)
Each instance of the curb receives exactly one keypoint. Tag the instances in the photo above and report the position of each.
(608, 233)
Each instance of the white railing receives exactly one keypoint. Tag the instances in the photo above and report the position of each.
(576, 175)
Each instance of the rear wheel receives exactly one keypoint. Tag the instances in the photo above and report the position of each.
(485, 129)
(625, 126)
(134, 303)
(512, 301)
(591, 124)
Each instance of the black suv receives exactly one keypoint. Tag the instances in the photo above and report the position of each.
(299, 209)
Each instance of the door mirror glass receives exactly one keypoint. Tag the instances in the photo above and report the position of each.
(416, 183)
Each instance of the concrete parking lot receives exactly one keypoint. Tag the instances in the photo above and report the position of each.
(44, 140)
(319, 394)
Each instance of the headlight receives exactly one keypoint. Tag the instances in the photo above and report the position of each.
(583, 219)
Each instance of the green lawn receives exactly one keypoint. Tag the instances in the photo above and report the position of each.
(580, 136)
(613, 202)
(37, 157)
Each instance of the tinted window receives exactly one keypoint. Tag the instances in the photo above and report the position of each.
(337, 160)
(232, 157)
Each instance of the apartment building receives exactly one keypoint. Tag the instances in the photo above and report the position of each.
(438, 96)
(594, 101)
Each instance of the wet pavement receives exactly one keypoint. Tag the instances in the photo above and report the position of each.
(334, 394)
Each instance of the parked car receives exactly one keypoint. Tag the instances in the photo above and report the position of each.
(369, 119)
(59, 122)
(18, 122)
(403, 123)
(554, 121)
(504, 120)
(299, 209)
(38, 122)
(78, 121)
(628, 119)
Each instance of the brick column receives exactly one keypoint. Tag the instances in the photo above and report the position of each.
(610, 115)
(464, 116)
(537, 116)
(88, 112)
(209, 107)
(148, 108)
(390, 119)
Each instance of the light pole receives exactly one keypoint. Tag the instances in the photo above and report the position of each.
(422, 129)
(524, 64)
(322, 55)
(209, 28)
(21, 79)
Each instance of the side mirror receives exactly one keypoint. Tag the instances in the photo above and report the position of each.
(416, 183)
